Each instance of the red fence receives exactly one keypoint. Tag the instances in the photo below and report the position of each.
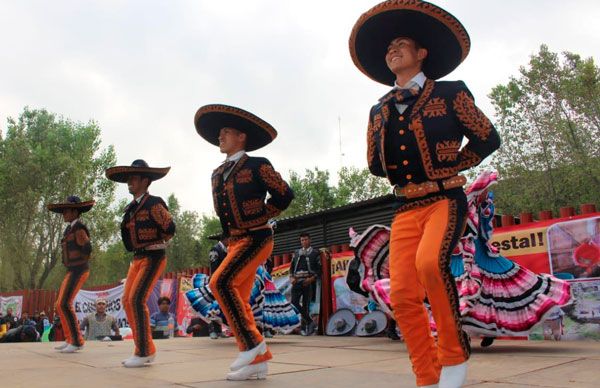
(43, 300)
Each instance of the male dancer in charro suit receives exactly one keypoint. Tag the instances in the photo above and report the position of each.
(76, 252)
(146, 227)
(414, 137)
(240, 186)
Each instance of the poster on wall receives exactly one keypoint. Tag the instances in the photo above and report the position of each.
(578, 321)
(164, 287)
(574, 248)
(343, 297)
(85, 303)
(13, 302)
(184, 311)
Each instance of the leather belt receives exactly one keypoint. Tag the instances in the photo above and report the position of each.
(417, 190)
(239, 232)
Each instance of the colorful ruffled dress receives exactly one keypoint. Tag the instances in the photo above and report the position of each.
(271, 309)
(497, 296)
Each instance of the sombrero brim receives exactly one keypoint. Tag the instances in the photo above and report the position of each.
(82, 207)
(344, 314)
(210, 119)
(122, 173)
(381, 323)
(444, 37)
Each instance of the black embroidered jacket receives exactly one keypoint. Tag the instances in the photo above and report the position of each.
(240, 200)
(76, 246)
(424, 142)
(146, 223)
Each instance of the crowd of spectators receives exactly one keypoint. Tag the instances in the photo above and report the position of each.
(97, 325)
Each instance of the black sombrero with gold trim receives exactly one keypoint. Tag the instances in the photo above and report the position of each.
(210, 119)
(444, 37)
(72, 202)
(138, 167)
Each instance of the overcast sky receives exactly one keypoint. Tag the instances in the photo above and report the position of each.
(141, 69)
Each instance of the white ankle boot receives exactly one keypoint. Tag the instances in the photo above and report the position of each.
(61, 346)
(70, 349)
(138, 362)
(453, 376)
(253, 371)
(245, 358)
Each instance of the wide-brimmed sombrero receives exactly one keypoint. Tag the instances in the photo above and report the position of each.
(72, 202)
(444, 37)
(210, 119)
(341, 323)
(138, 167)
(371, 324)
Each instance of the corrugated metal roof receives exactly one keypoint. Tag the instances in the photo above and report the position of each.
(330, 226)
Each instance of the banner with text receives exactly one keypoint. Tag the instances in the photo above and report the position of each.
(13, 302)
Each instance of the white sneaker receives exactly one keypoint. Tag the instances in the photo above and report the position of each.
(258, 371)
(138, 362)
(245, 358)
(453, 376)
(70, 349)
(61, 346)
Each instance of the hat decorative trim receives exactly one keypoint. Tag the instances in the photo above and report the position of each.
(122, 173)
(428, 9)
(259, 133)
(82, 207)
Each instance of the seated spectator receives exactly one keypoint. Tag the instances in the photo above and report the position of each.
(3, 328)
(41, 323)
(25, 320)
(198, 328)
(99, 324)
(159, 321)
(10, 320)
(25, 333)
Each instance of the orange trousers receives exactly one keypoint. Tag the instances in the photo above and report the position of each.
(69, 287)
(232, 284)
(141, 278)
(421, 243)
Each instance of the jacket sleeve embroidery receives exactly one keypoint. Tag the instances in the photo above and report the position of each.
(281, 194)
(482, 136)
(471, 117)
(160, 214)
(373, 157)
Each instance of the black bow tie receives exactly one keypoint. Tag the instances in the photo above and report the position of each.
(402, 96)
(225, 167)
(406, 96)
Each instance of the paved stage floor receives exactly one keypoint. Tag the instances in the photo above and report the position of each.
(298, 362)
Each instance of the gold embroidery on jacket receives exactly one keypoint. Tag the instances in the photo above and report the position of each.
(436, 107)
(447, 150)
(244, 176)
(273, 179)
(252, 206)
(471, 116)
(468, 159)
(142, 215)
(416, 126)
(147, 234)
(161, 215)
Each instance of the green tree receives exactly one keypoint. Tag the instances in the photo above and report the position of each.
(549, 121)
(210, 226)
(43, 159)
(183, 250)
(312, 192)
(356, 185)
